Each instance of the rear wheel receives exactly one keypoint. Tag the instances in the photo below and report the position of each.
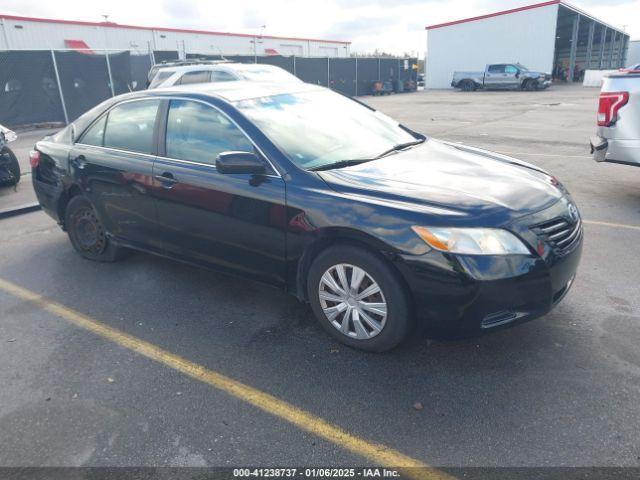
(359, 299)
(468, 86)
(13, 166)
(87, 233)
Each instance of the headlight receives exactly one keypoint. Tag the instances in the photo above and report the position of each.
(472, 241)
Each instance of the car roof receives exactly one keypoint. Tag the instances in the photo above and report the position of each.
(234, 67)
(239, 90)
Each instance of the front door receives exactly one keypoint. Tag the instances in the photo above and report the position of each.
(512, 75)
(233, 222)
(113, 164)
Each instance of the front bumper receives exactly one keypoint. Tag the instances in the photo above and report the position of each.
(459, 296)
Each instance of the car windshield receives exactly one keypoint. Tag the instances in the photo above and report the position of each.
(160, 77)
(321, 127)
(522, 67)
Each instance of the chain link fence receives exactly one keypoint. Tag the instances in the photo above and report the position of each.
(41, 87)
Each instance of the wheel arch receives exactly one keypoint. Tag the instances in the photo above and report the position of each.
(73, 191)
(331, 236)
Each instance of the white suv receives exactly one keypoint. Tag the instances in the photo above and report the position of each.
(220, 72)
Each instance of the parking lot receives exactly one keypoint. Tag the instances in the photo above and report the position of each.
(148, 362)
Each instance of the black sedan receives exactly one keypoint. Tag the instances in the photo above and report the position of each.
(380, 229)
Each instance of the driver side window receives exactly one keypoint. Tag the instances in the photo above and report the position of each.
(198, 133)
(510, 69)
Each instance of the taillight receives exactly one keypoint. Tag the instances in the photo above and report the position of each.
(610, 103)
(34, 158)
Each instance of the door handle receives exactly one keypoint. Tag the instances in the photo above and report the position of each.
(166, 179)
(79, 162)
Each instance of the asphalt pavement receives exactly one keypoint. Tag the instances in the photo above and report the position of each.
(558, 391)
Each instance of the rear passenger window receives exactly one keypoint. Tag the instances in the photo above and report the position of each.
(199, 133)
(496, 69)
(130, 126)
(95, 134)
(222, 77)
(195, 77)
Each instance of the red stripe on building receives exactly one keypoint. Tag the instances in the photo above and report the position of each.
(161, 29)
(496, 14)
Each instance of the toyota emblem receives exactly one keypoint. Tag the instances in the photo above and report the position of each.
(573, 212)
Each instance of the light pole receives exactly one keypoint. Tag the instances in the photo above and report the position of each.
(255, 43)
(106, 48)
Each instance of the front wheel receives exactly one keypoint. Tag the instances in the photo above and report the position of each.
(359, 298)
(87, 233)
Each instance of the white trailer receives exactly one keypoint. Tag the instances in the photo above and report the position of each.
(28, 33)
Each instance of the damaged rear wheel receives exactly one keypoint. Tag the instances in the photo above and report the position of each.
(87, 233)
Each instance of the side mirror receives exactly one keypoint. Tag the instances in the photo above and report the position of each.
(240, 162)
(517, 74)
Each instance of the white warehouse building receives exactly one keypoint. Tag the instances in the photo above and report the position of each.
(28, 33)
(545, 37)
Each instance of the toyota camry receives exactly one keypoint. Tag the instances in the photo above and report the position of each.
(383, 231)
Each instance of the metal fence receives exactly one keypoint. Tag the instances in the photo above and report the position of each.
(58, 86)
(351, 76)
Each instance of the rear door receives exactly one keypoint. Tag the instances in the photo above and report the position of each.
(232, 222)
(113, 164)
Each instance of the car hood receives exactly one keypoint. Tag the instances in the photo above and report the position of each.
(454, 180)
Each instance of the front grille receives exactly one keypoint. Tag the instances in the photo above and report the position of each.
(561, 234)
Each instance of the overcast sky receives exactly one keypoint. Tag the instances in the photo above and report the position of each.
(395, 26)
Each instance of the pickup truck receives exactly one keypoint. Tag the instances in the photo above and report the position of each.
(501, 76)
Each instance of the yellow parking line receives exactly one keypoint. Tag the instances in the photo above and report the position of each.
(613, 225)
(377, 453)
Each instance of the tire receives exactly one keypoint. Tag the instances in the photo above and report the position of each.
(87, 233)
(530, 86)
(13, 165)
(373, 331)
(468, 86)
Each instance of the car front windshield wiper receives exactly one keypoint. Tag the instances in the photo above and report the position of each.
(358, 161)
(400, 146)
(339, 164)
